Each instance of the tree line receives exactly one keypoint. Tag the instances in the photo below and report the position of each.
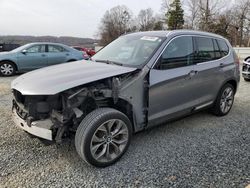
(230, 19)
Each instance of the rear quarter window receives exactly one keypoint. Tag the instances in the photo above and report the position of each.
(223, 47)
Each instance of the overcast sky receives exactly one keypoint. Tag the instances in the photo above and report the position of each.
(78, 18)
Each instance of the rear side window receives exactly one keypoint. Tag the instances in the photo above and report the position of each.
(55, 49)
(205, 50)
(178, 53)
(223, 48)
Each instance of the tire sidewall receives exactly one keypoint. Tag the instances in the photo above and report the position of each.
(90, 130)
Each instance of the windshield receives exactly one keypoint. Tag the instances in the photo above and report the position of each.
(129, 50)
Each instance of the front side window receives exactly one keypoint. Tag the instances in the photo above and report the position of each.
(55, 49)
(130, 50)
(36, 49)
(178, 53)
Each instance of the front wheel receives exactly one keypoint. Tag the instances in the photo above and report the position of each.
(247, 79)
(103, 137)
(224, 100)
(7, 69)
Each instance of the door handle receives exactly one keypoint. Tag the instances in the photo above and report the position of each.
(192, 73)
(43, 55)
(221, 65)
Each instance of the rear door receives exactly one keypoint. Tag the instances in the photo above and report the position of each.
(34, 58)
(57, 54)
(208, 65)
(174, 88)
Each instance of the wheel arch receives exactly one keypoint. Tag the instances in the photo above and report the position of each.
(233, 82)
(126, 108)
(10, 61)
(121, 105)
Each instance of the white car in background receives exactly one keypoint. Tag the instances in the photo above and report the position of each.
(246, 69)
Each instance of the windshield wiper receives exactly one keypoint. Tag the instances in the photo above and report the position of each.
(108, 62)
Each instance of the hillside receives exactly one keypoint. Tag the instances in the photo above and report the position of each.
(71, 41)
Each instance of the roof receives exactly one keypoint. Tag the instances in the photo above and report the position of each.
(175, 32)
(52, 43)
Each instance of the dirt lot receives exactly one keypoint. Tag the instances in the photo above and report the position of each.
(198, 151)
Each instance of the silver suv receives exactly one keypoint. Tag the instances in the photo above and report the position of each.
(138, 81)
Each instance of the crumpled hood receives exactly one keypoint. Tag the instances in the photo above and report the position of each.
(54, 79)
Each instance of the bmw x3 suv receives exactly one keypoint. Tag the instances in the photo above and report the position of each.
(138, 81)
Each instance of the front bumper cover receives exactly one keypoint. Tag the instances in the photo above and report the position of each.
(246, 70)
(40, 128)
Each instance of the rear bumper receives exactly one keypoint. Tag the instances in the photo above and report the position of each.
(39, 128)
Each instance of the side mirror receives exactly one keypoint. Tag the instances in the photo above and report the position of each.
(24, 52)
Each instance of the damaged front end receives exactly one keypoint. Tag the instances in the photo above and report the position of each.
(34, 114)
(55, 117)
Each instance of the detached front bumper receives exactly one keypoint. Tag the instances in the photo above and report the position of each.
(40, 128)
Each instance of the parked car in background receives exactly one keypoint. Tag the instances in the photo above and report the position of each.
(36, 55)
(89, 51)
(246, 69)
(85, 55)
(138, 81)
(8, 47)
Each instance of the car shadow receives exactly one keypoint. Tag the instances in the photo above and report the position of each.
(141, 140)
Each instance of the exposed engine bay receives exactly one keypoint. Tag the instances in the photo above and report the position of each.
(67, 109)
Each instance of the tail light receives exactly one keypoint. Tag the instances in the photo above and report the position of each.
(236, 58)
(85, 56)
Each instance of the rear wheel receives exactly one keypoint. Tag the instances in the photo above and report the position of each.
(224, 101)
(7, 68)
(103, 137)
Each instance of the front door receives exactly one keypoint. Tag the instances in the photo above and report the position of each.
(34, 57)
(173, 86)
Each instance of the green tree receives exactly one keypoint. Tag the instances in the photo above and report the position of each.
(175, 15)
(158, 25)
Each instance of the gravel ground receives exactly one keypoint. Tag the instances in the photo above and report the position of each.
(198, 151)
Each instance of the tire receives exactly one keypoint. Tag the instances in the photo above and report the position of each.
(7, 68)
(224, 100)
(247, 80)
(104, 129)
